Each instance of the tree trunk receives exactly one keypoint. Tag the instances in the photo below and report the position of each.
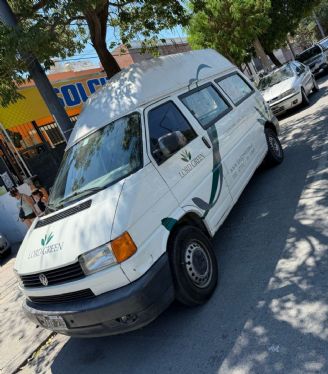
(262, 55)
(274, 59)
(97, 23)
(107, 60)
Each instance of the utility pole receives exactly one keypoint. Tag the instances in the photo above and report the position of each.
(8, 18)
(317, 21)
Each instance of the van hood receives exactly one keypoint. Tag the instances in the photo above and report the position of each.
(273, 92)
(61, 242)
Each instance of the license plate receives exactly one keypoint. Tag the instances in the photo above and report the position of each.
(52, 322)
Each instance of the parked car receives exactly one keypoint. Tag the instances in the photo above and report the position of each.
(155, 162)
(288, 86)
(315, 57)
(5, 247)
(324, 44)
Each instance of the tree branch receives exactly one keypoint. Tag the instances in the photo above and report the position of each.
(39, 5)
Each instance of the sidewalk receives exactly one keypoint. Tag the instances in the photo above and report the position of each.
(19, 337)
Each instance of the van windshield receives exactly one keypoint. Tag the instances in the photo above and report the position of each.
(99, 160)
(308, 54)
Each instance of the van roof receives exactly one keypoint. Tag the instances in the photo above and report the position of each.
(143, 83)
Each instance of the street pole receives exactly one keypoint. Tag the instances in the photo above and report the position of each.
(37, 73)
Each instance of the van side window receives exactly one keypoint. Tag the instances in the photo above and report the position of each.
(169, 131)
(235, 87)
(205, 104)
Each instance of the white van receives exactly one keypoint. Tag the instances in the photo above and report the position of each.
(155, 162)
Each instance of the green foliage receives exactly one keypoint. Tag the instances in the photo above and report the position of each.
(322, 14)
(51, 29)
(228, 26)
(285, 17)
(306, 33)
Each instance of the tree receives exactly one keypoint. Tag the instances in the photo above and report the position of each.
(229, 26)
(61, 28)
(285, 16)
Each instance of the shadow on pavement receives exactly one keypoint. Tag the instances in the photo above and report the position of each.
(269, 312)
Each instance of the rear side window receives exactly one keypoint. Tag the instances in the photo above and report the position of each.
(169, 131)
(235, 88)
(206, 105)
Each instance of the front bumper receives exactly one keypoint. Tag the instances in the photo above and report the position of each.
(286, 104)
(142, 301)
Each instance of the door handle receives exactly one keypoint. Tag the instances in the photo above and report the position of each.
(208, 145)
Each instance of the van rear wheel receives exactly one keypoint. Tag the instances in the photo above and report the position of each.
(275, 154)
(194, 266)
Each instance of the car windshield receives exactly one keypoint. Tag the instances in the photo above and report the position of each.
(308, 54)
(99, 160)
(276, 77)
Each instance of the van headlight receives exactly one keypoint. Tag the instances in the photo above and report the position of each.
(117, 251)
(97, 259)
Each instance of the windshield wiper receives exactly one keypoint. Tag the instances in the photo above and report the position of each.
(87, 191)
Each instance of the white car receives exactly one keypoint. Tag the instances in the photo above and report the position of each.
(288, 87)
(4, 245)
(315, 57)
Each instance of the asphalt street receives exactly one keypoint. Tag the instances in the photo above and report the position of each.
(269, 313)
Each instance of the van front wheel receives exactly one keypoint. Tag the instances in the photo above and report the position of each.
(194, 266)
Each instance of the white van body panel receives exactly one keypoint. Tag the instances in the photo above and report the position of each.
(70, 236)
(145, 200)
(143, 83)
(243, 144)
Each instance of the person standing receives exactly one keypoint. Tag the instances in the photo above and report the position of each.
(33, 188)
(40, 203)
(25, 206)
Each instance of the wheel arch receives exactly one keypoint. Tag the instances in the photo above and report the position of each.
(188, 219)
(270, 125)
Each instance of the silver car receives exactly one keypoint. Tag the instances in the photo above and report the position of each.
(4, 245)
(288, 86)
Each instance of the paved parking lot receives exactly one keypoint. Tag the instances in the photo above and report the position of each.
(270, 311)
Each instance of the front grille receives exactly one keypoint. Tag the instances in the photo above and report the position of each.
(63, 298)
(64, 214)
(56, 276)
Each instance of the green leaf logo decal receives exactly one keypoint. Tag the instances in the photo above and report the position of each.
(185, 156)
(46, 240)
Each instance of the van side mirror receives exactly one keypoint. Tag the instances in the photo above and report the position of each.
(171, 143)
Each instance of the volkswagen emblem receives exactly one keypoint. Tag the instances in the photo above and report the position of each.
(43, 279)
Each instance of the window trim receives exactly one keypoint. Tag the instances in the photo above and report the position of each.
(148, 132)
(218, 80)
(200, 88)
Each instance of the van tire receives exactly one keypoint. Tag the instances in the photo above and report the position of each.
(275, 155)
(193, 265)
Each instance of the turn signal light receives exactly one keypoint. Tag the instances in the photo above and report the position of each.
(123, 247)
